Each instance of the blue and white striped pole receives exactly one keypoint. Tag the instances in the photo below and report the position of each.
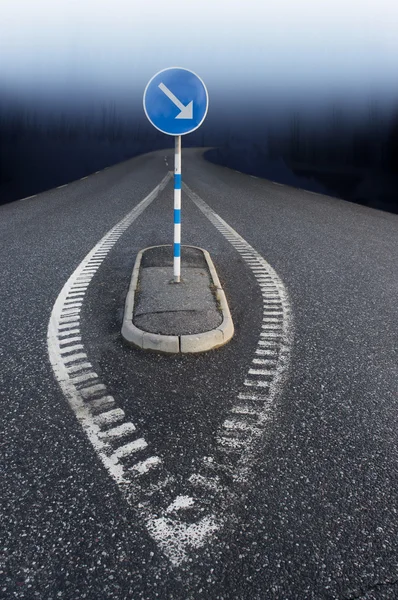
(177, 210)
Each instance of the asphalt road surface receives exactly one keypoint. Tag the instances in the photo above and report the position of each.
(303, 504)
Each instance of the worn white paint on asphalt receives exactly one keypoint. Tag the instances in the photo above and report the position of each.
(115, 439)
(87, 396)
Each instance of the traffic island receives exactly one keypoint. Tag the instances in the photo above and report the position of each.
(185, 317)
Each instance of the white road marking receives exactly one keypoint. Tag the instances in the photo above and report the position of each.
(174, 536)
(244, 410)
(146, 465)
(63, 334)
(105, 403)
(65, 320)
(83, 378)
(264, 361)
(92, 389)
(28, 198)
(228, 424)
(130, 448)
(61, 186)
(180, 503)
(106, 424)
(77, 338)
(69, 313)
(109, 417)
(254, 383)
(82, 402)
(119, 431)
(66, 349)
(73, 358)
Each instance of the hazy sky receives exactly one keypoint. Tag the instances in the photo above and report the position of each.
(242, 48)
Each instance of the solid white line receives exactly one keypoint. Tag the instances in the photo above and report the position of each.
(28, 198)
(61, 186)
(81, 178)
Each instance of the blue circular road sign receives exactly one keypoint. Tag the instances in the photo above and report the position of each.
(176, 101)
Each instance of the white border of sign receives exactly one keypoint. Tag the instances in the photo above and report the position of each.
(207, 100)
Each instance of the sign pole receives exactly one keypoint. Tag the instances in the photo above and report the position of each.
(176, 102)
(177, 210)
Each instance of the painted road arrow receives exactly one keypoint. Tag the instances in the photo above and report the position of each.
(186, 111)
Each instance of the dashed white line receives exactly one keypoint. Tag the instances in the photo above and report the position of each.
(65, 349)
(74, 357)
(119, 431)
(92, 404)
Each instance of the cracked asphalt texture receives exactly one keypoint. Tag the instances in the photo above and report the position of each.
(320, 519)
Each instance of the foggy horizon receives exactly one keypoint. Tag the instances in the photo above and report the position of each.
(72, 55)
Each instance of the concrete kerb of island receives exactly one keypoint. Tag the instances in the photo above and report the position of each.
(178, 343)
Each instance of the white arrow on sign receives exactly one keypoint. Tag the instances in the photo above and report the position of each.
(186, 111)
